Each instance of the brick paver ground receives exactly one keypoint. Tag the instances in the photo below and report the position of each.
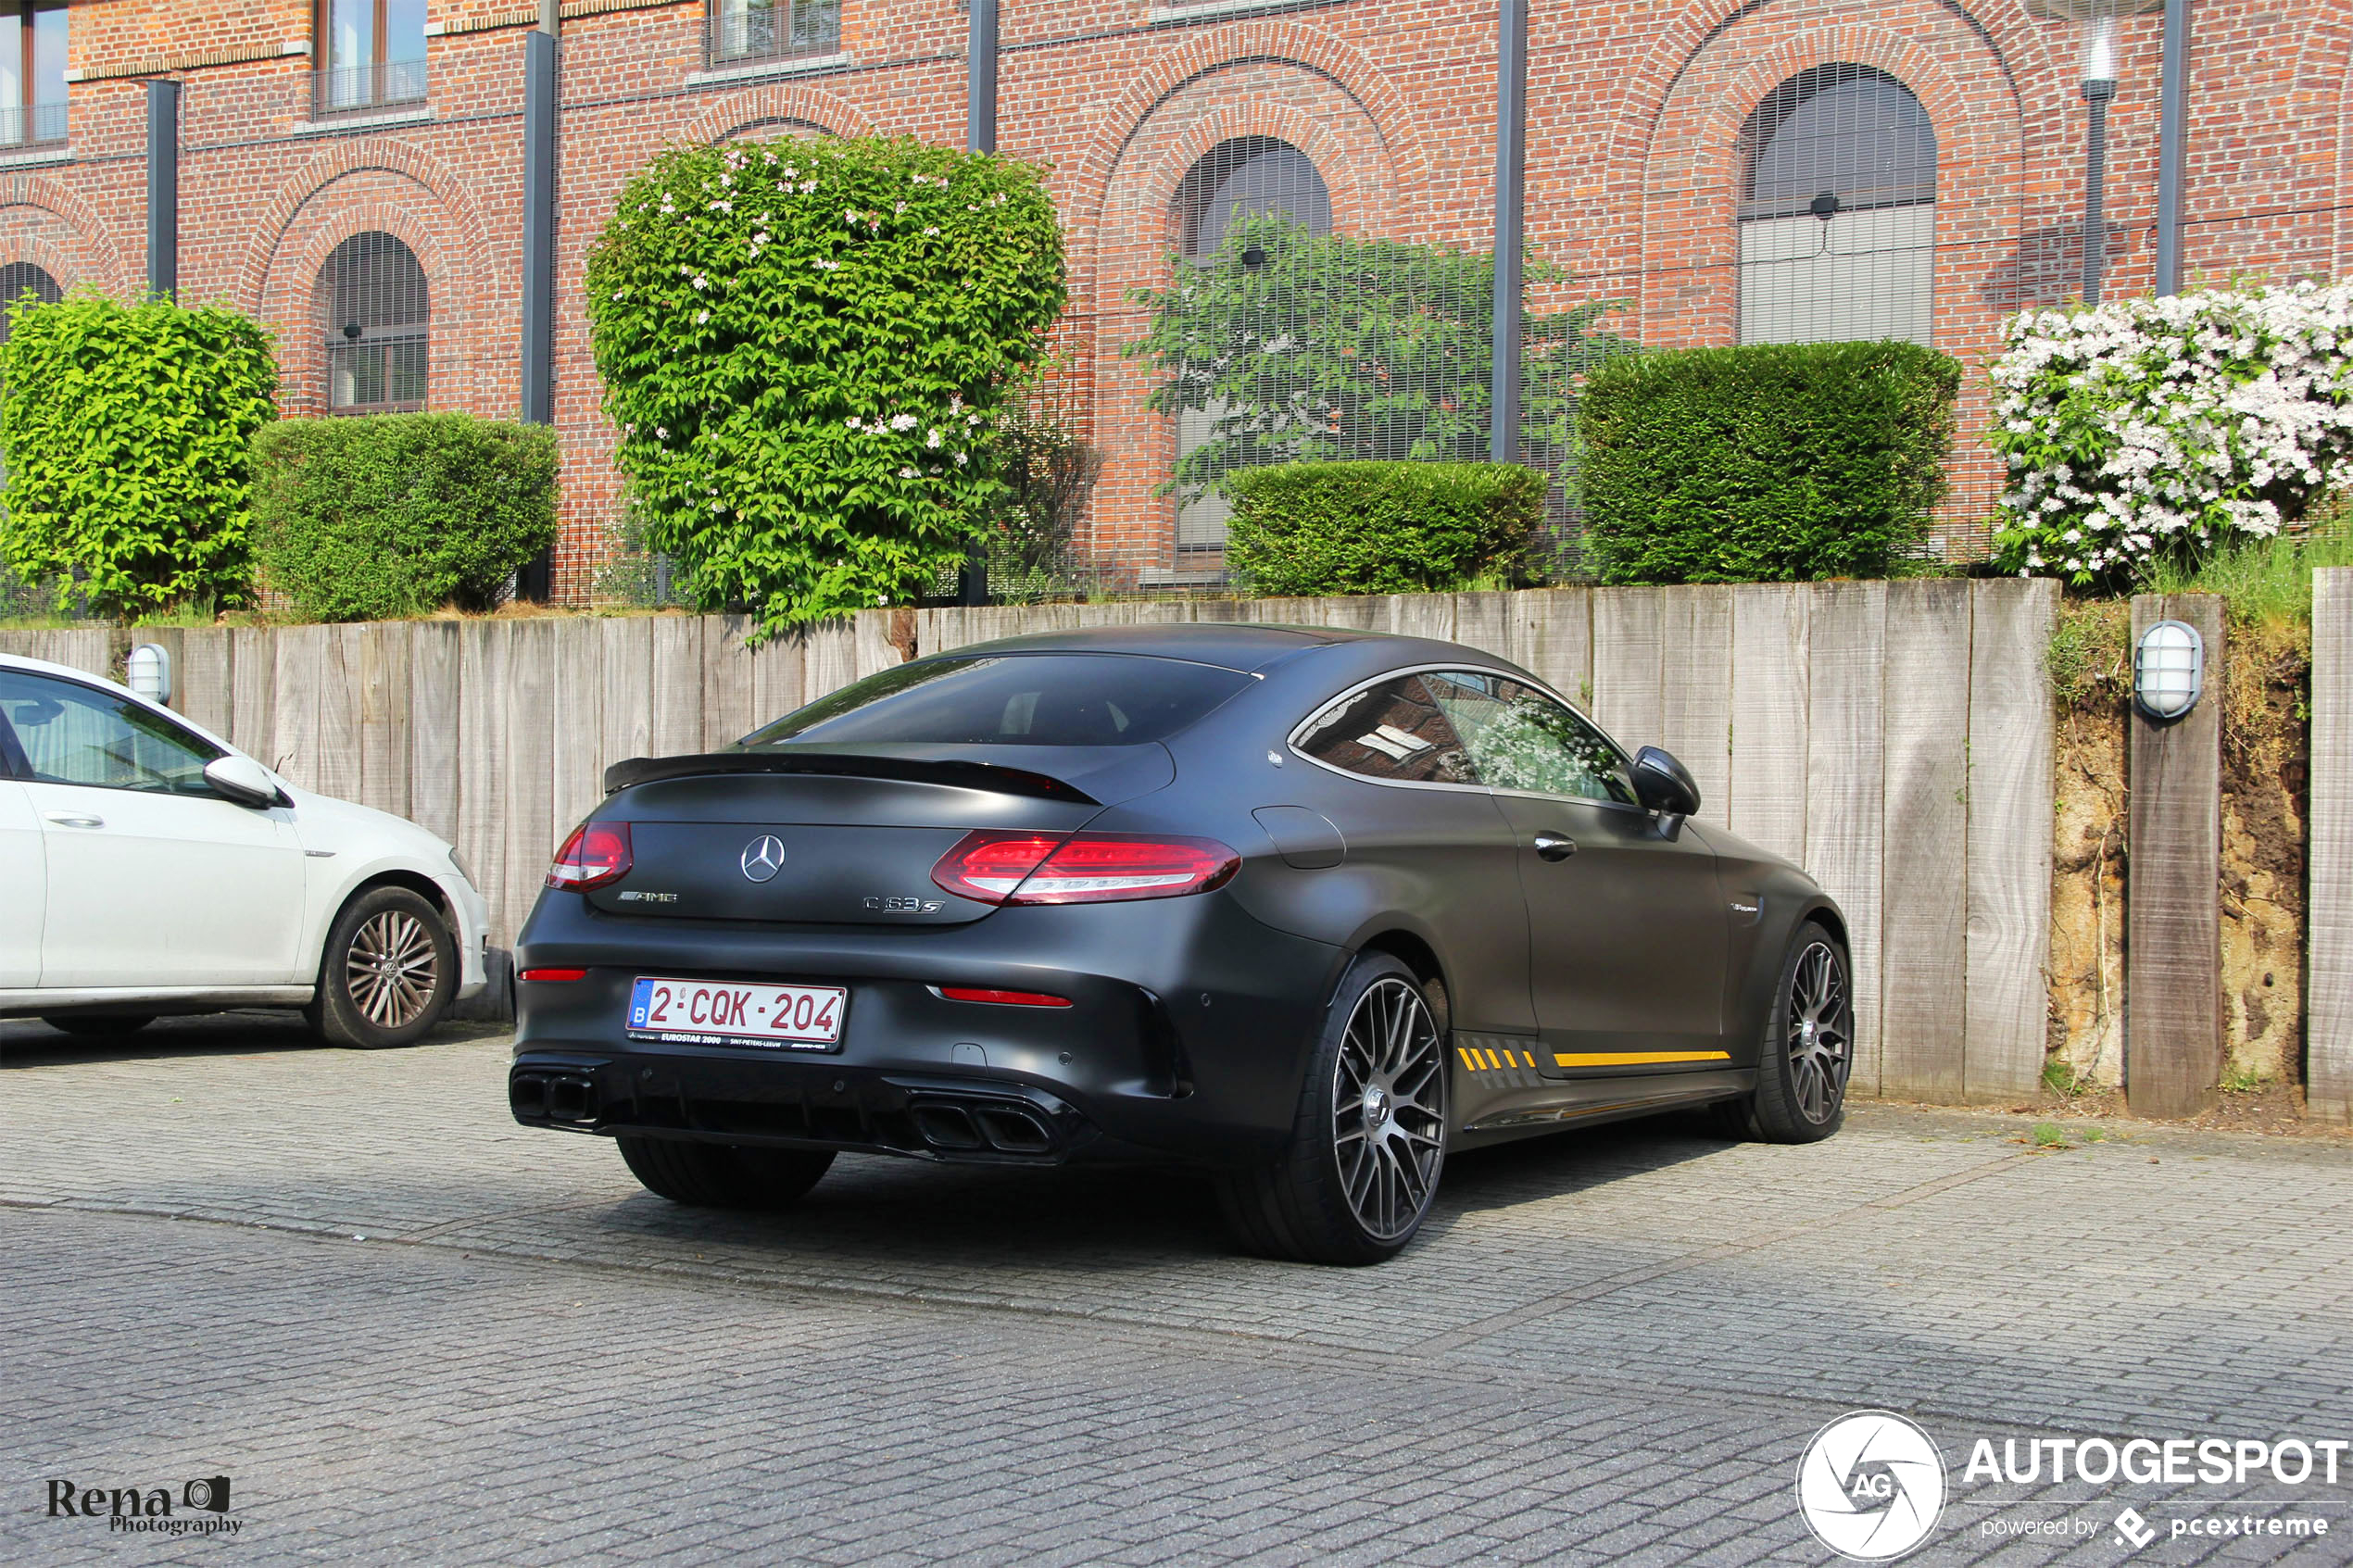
(410, 1331)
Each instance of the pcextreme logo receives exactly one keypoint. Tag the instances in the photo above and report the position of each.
(1870, 1485)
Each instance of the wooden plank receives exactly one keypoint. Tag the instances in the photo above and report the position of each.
(2174, 914)
(1695, 689)
(728, 712)
(1766, 788)
(1419, 615)
(1550, 635)
(253, 690)
(1924, 880)
(1628, 626)
(202, 678)
(482, 723)
(383, 717)
(576, 764)
(677, 686)
(779, 677)
(527, 766)
(300, 651)
(1845, 783)
(436, 716)
(829, 658)
(625, 654)
(2010, 806)
(1484, 622)
(873, 649)
(2328, 904)
(337, 767)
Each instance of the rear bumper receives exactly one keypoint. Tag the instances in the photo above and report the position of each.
(1186, 1037)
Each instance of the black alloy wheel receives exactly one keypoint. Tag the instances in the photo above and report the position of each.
(1369, 1142)
(1808, 1052)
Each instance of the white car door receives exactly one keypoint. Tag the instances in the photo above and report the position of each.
(153, 879)
(23, 883)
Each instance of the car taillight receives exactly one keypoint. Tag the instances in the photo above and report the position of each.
(1094, 868)
(597, 853)
(1001, 998)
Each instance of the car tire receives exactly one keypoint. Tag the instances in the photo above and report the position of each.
(712, 1176)
(1807, 1048)
(98, 1026)
(387, 974)
(1349, 1189)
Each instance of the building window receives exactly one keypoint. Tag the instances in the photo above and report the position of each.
(32, 72)
(1838, 211)
(22, 281)
(373, 297)
(370, 53)
(1249, 177)
(740, 30)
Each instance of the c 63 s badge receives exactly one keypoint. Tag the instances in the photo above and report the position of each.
(883, 903)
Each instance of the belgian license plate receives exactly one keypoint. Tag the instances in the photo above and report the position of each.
(719, 1012)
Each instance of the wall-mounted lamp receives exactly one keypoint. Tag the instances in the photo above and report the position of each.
(149, 672)
(2098, 21)
(1824, 206)
(2169, 670)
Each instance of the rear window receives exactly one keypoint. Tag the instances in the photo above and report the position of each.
(1013, 699)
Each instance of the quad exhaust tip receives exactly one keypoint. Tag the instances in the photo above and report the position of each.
(956, 1127)
(567, 1097)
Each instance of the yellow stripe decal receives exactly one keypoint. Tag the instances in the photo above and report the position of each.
(1467, 1060)
(1635, 1058)
(1492, 1062)
(1530, 1056)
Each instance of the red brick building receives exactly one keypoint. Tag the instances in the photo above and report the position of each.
(352, 170)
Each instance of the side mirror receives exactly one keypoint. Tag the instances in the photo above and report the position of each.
(243, 779)
(1663, 785)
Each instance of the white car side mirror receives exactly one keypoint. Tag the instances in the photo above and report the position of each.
(243, 779)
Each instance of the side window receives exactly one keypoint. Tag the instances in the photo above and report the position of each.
(74, 735)
(1520, 738)
(1394, 732)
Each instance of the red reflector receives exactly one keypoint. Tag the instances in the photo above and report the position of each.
(553, 974)
(1004, 999)
(596, 854)
(1093, 868)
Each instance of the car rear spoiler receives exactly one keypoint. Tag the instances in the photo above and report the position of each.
(955, 774)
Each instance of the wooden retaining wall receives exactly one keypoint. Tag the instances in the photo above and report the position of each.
(1894, 737)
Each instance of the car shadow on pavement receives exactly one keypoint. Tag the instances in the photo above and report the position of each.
(28, 1042)
(878, 1209)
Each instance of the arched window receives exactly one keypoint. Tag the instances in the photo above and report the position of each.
(18, 280)
(1248, 177)
(373, 297)
(1838, 210)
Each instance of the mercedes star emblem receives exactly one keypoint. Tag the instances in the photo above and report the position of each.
(763, 858)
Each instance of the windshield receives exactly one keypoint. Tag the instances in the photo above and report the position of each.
(1013, 699)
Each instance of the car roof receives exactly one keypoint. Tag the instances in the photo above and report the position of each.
(1244, 645)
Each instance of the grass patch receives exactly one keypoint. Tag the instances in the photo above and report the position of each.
(2049, 1135)
(2239, 1080)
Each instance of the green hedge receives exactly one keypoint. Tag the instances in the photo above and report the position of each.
(384, 515)
(1767, 463)
(128, 429)
(1379, 527)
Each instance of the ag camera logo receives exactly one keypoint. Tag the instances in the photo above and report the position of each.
(1870, 1485)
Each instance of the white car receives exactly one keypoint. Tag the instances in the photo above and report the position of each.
(148, 867)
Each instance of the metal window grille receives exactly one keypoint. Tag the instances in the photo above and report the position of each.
(377, 318)
(735, 31)
(371, 55)
(33, 71)
(19, 281)
(1250, 177)
(1838, 211)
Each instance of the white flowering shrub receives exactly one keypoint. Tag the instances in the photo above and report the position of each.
(806, 346)
(2157, 427)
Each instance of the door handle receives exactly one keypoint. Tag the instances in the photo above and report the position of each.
(76, 820)
(1554, 847)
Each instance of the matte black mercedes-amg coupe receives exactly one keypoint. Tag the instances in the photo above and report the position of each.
(1307, 908)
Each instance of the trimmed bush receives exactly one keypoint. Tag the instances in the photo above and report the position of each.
(806, 346)
(385, 515)
(1764, 464)
(128, 431)
(1379, 527)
